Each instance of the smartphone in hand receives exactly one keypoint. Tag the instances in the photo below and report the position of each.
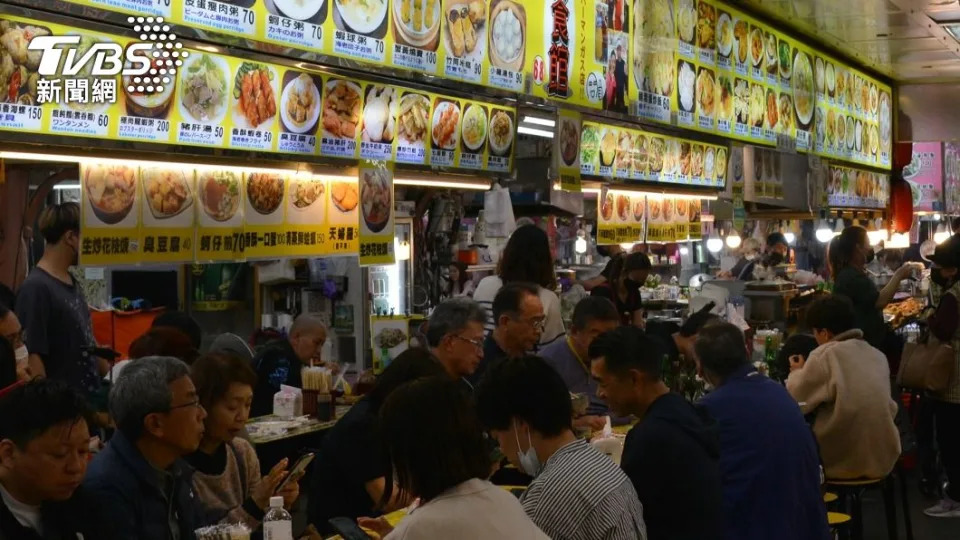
(348, 529)
(297, 471)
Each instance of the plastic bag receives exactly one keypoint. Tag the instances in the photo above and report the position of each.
(498, 213)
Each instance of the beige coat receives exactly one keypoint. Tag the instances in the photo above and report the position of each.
(846, 382)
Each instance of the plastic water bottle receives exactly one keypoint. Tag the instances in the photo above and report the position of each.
(278, 523)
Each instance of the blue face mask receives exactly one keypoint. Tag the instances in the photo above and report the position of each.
(529, 461)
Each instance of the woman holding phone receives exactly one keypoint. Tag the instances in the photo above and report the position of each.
(227, 478)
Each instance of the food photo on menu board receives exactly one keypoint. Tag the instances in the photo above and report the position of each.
(379, 121)
(342, 109)
(465, 39)
(362, 17)
(376, 198)
(654, 45)
(508, 35)
(111, 191)
(413, 123)
(416, 23)
(299, 112)
(312, 11)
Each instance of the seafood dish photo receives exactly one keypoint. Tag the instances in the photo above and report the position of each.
(111, 191)
(341, 109)
(501, 132)
(681, 209)
(300, 104)
(362, 16)
(667, 209)
(706, 26)
(417, 22)
(344, 196)
(303, 193)
(379, 114)
(773, 115)
(18, 65)
(464, 29)
(706, 92)
(606, 207)
(653, 208)
(446, 125)
(254, 95)
(376, 197)
(219, 194)
(653, 67)
(474, 130)
(569, 141)
(414, 118)
(167, 191)
(508, 34)
(138, 101)
(203, 88)
(265, 192)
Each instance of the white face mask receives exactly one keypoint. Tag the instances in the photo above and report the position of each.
(529, 461)
(21, 355)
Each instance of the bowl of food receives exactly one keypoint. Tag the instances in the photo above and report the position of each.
(219, 194)
(569, 141)
(507, 38)
(300, 10)
(474, 127)
(140, 102)
(300, 104)
(417, 21)
(167, 191)
(362, 16)
(501, 132)
(111, 191)
(376, 198)
(203, 88)
(304, 193)
(265, 192)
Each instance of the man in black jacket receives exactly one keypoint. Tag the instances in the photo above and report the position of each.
(280, 362)
(672, 454)
(44, 445)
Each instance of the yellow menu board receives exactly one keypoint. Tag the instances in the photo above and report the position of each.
(168, 213)
(620, 217)
(226, 102)
(566, 155)
(376, 213)
(110, 215)
(631, 154)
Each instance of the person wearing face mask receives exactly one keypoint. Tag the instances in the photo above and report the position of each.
(280, 362)
(577, 491)
(628, 275)
(14, 361)
(769, 464)
(849, 254)
(945, 326)
(52, 308)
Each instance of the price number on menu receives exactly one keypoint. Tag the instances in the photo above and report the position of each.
(294, 32)
(21, 117)
(220, 16)
(358, 46)
(414, 58)
(145, 129)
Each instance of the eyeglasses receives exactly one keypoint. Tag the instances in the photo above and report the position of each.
(194, 403)
(539, 323)
(478, 343)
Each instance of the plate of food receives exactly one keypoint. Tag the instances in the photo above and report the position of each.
(724, 35)
(589, 145)
(465, 30)
(342, 108)
(137, 100)
(666, 208)
(303, 193)
(254, 95)
(446, 125)
(756, 46)
(885, 113)
(681, 209)
(685, 159)
(418, 21)
(653, 68)
(831, 79)
(639, 208)
(706, 92)
(770, 50)
(624, 151)
(641, 154)
(757, 114)
(265, 192)
(820, 75)
(786, 112)
(874, 140)
(803, 92)
(686, 82)
(725, 109)
(686, 20)
(569, 141)
(606, 207)
(741, 31)
(841, 130)
(300, 104)
(706, 26)
(501, 132)
(709, 162)
(653, 208)
(623, 208)
(167, 191)
(344, 196)
(379, 114)
(608, 148)
(219, 194)
(300, 10)
(657, 147)
(741, 101)
(87, 45)
(474, 127)
(413, 119)
(19, 65)
(362, 16)
(720, 167)
(376, 197)
(773, 115)
(785, 55)
(874, 100)
(851, 133)
(859, 136)
(203, 88)
(696, 161)
(111, 191)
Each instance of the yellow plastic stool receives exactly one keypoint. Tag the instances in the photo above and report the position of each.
(830, 498)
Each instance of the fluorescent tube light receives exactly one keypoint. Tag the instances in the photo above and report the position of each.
(533, 131)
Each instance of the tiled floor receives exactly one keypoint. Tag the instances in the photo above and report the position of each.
(924, 528)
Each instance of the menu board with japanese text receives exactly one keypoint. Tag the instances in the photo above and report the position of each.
(853, 188)
(630, 154)
(621, 217)
(227, 102)
(153, 212)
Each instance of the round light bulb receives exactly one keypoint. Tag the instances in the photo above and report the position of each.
(824, 234)
(627, 246)
(791, 238)
(941, 235)
(580, 245)
(733, 240)
(684, 251)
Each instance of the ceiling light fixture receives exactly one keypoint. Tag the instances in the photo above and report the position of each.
(535, 132)
(479, 185)
(548, 122)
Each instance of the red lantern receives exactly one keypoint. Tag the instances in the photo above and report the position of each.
(901, 204)
(902, 155)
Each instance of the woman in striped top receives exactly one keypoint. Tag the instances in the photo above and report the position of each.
(526, 258)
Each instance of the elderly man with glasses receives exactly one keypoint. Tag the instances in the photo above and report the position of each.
(519, 318)
(455, 336)
(141, 486)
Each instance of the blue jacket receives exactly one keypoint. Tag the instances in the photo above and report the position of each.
(130, 501)
(769, 463)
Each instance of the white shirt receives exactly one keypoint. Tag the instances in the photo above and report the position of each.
(553, 325)
(25, 514)
(472, 510)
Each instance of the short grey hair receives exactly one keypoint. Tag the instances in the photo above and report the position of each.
(307, 322)
(143, 388)
(453, 315)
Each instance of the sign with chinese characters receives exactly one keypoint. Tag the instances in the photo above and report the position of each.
(951, 177)
(169, 198)
(924, 173)
(621, 217)
(566, 150)
(853, 188)
(376, 213)
(110, 215)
